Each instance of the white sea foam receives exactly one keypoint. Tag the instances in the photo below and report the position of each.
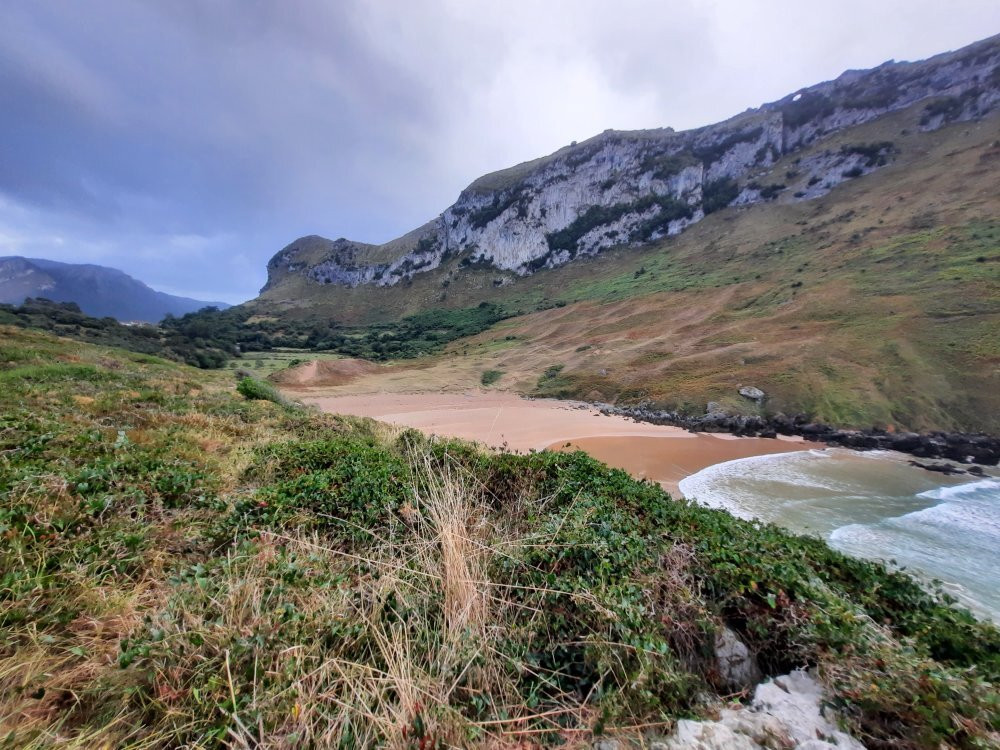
(963, 490)
(882, 509)
(710, 485)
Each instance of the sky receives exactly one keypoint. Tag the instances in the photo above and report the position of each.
(187, 142)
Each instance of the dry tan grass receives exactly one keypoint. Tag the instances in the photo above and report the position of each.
(404, 682)
(442, 566)
(44, 682)
(417, 665)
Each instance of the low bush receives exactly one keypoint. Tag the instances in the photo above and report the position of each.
(667, 207)
(718, 194)
(874, 154)
(259, 390)
(489, 377)
(553, 384)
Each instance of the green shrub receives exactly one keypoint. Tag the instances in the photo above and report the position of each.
(875, 154)
(669, 209)
(709, 153)
(489, 377)
(809, 106)
(718, 194)
(349, 485)
(258, 390)
(516, 196)
(553, 384)
(767, 192)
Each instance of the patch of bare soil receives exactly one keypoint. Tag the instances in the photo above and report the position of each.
(323, 373)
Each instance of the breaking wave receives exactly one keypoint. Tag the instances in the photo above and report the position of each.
(879, 509)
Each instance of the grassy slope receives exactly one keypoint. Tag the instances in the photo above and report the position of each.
(182, 567)
(878, 303)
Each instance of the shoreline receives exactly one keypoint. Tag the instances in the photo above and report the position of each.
(871, 505)
(501, 420)
(675, 457)
(965, 448)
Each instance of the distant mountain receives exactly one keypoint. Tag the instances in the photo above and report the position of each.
(98, 290)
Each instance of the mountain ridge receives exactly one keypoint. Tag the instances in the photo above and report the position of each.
(867, 297)
(633, 187)
(100, 291)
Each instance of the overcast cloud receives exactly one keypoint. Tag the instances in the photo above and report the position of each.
(186, 142)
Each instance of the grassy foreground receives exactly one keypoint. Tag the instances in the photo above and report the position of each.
(183, 567)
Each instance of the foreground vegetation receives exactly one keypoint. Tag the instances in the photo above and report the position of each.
(186, 566)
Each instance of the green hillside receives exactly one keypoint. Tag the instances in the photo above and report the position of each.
(183, 567)
(877, 303)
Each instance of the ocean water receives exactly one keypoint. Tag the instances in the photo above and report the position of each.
(873, 505)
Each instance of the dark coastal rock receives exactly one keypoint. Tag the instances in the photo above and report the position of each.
(814, 429)
(857, 440)
(947, 469)
(904, 441)
(960, 447)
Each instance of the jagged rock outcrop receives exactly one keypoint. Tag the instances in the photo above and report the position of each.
(735, 664)
(753, 393)
(786, 712)
(627, 188)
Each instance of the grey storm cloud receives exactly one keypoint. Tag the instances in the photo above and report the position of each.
(186, 142)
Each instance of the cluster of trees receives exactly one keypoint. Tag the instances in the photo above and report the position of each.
(66, 319)
(237, 331)
(417, 334)
(210, 337)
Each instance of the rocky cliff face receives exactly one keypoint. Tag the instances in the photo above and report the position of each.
(626, 188)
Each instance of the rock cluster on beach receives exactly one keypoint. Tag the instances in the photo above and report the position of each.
(961, 447)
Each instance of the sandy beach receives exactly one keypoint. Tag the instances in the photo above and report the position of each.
(504, 420)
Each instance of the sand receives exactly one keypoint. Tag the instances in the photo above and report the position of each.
(504, 420)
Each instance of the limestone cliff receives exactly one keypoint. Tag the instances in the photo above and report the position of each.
(627, 188)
